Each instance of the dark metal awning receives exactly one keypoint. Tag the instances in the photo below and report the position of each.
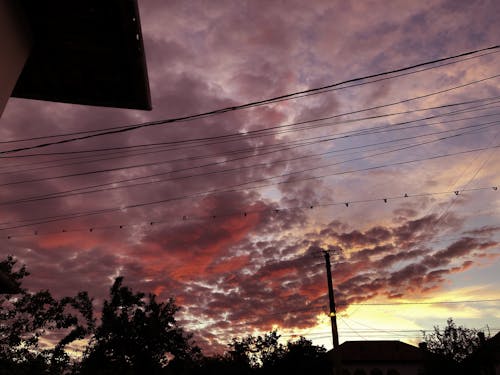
(85, 52)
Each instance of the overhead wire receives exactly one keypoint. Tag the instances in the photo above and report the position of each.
(362, 110)
(303, 141)
(319, 92)
(445, 212)
(438, 302)
(356, 332)
(64, 216)
(143, 176)
(214, 191)
(303, 171)
(238, 187)
(243, 213)
(247, 105)
(289, 96)
(368, 329)
(266, 129)
(309, 169)
(252, 149)
(155, 163)
(126, 149)
(113, 185)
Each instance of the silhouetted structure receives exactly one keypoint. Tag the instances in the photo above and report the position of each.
(331, 299)
(388, 358)
(84, 52)
(486, 359)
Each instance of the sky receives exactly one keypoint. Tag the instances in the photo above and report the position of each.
(230, 213)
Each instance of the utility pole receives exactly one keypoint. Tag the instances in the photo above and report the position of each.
(333, 313)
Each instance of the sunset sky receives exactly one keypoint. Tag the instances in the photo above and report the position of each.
(229, 213)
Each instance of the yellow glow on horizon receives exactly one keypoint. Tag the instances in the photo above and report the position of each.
(407, 322)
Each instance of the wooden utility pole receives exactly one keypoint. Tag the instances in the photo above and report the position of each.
(333, 312)
(333, 315)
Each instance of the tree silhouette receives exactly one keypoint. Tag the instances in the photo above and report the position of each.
(266, 355)
(136, 336)
(302, 356)
(10, 280)
(26, 317)
(255, 352)
(453, 342)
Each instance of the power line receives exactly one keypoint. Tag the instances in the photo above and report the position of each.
(296, 95)
(287, 148)
(157, 163)
(112, 185)
(244, 106)
(241, 213)
(368, 329)
(355, 331)
(419, 302)
(238, 187)
(215, 191)
(266, 129)
(55, 194)
(120, 149)
(439, 302)
(326, 334)
(474, 175)
(161, 148)
(494, 123)
(303, 142)
(387, 334)
(444, 213)
(322, 138)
